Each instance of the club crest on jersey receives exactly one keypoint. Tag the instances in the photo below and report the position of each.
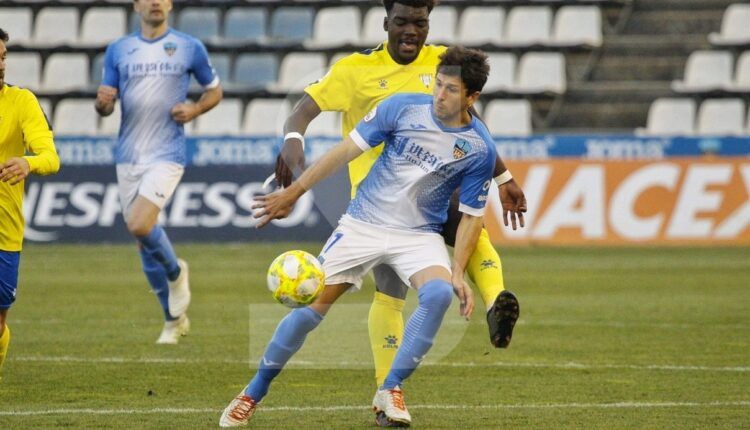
(426, 79)
(460, 149)
(170, 48)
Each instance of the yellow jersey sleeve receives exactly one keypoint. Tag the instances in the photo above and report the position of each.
(332, 92)
(37, 136)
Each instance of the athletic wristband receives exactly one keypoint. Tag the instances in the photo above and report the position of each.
(295, 135)
(503, 178)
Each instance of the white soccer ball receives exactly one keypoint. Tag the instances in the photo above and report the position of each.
(295, 278)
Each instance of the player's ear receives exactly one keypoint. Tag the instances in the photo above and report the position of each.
(385, 23)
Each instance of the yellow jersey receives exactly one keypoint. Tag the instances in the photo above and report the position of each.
(360, 81)
(23, 129)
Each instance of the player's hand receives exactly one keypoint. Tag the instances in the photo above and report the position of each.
(465, 295)
(14, 170)
(514, 203)
(273, 206)
(290, 162)
(185, 112)
(106, 94)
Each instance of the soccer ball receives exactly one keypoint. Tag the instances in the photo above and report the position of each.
(295, 278)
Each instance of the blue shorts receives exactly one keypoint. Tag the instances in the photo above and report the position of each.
(8, 278)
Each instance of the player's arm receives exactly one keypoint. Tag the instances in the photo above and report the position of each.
(291, 159)
(279, 204)
(186, 112)
(467, 235)
(106, 95)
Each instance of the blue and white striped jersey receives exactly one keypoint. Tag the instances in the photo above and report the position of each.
(422, 164)
(152, 76)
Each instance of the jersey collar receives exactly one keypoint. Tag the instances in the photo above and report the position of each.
(143, 39)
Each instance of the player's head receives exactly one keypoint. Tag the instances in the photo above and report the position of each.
(461, 75)
(3, 53)
(153, 12)
(407, 23)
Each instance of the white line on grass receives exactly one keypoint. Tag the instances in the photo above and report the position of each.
(311, 364)
(617, 405)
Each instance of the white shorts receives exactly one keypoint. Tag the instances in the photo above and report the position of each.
(355, 247)
(156, 182)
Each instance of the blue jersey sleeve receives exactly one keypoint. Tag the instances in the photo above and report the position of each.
(475, 185)
(378, 124)
(201, 66)
(110, 74)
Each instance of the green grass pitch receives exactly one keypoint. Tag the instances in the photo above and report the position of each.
(608, 339)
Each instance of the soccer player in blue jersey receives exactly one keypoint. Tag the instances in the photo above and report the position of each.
(433, 146)
(149, 71)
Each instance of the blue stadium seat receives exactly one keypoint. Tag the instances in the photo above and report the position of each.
(245, 23)
(201, 22)
(255, 70)
(292, 23)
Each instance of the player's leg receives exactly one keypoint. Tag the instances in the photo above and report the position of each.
(9, 262)
(385, 321)
(486, 272)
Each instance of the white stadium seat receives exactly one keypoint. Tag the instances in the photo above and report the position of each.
(480, 25)
(742, 74)
(670, 117)
(528, 25)
(442, 25)
(102, 25)
(540, 72)
(372, 27)
(502, 72)
(721, 117)
(299, 69)
(706, 71)
(66, 72)
(224, 119)
(75, 117)
(265, 117)
(508, 117)
(17, 23)
(336, 26)
(24, 69)
(56, 26)
(110, 125)
(577, 25)
(326, 124)
(734, 26)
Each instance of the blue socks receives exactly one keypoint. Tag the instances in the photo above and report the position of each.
(157, 277)
(157, 245)
(289, 336)
(434, 299)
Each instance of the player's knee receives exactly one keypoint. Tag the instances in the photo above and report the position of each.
(436, 293)
(137, 227)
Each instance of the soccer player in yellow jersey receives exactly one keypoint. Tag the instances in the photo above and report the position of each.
(356, 84)
(23, 129)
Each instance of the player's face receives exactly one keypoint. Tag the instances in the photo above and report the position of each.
(3, 55)
(407, 29)
(449, 98)
(153, 12)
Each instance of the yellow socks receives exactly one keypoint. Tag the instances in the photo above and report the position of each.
(486, 270)
(4, 341)
(386, 327)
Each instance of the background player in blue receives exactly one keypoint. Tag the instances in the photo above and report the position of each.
(432, 147)
(150, 72)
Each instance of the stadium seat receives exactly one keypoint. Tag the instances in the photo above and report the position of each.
(66, 72)
(200, 22)
(222, 64)
(75, 117)
(102, 25)
(336, 26)
(372, 27)
(528, 25)
(97, 67)
(326, 124)
(25, 70)
(46, 105)
(502, 72)
(480, 25)
(265, 117)
(17, 23)
(56, 26)
(224, 119)
(255, 70)
(540, 72)
(670, 117)
(577, 25)
(443, 25)
(245, 23)
(734, 26)
(706, 71)
(110, 125)
(508, 117)
(299, 69)
(292, 24)
(721, 117)
(741, 81)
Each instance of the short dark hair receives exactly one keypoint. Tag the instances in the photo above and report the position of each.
(4, 36)
(470, 64)
(429, 4)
